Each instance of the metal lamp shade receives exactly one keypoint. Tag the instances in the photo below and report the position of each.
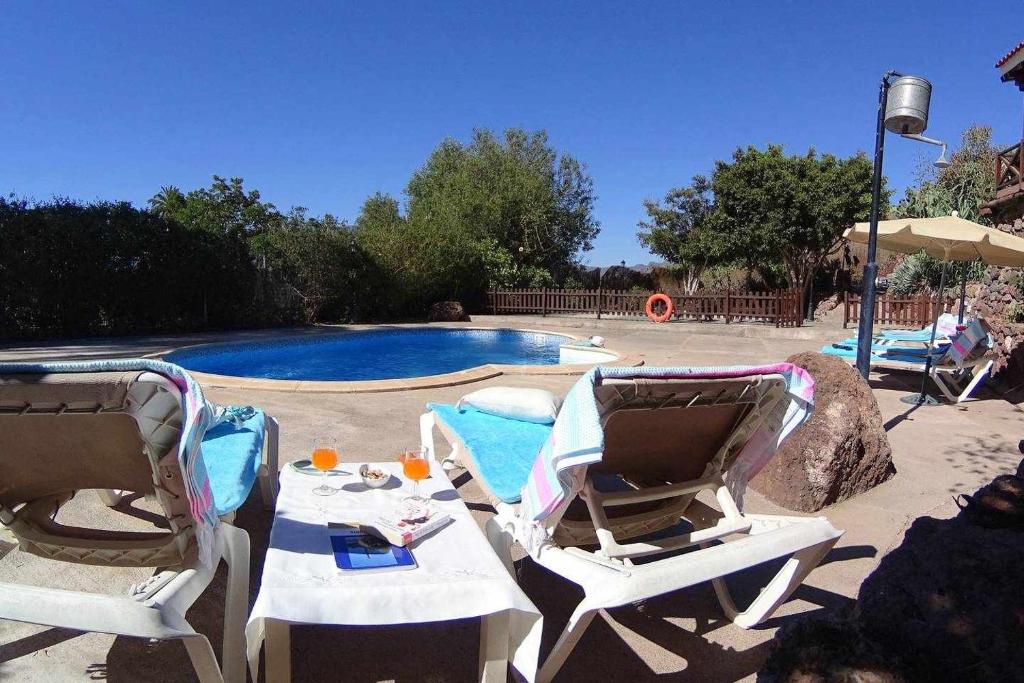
(906, 107)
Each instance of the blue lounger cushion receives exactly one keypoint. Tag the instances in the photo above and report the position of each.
(232, 456)
(503, 450)
(844, 349)
(890, 353)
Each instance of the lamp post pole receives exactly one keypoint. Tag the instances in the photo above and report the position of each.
(867, 298)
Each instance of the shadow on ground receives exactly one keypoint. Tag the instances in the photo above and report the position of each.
(670, 638)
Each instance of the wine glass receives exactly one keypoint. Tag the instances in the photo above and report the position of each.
(325, 458)
(416, 467)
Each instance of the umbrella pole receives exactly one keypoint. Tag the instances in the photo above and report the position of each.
(923, 398)
(963, 293)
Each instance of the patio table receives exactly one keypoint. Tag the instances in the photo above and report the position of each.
(458, 575)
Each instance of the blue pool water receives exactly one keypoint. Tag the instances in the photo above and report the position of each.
(375, 354)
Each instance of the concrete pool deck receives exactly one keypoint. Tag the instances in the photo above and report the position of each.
(938, 452)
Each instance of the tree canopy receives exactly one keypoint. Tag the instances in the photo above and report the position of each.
(963, 186)
(763, 210)
(681, 231)
(507, 211)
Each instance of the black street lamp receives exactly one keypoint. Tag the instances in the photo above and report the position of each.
(902, 109)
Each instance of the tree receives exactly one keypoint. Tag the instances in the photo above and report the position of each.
(321, 262)
(518, 191)
(508, 211)
(169, 201)
(789, 210)
(224, 208)
(679, 231)
(963, 186)
(764, 210)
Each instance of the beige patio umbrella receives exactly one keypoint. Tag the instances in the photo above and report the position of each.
(949, 238)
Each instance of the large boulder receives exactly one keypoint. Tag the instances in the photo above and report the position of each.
(949, 602)
(842, 450)
(448, 312)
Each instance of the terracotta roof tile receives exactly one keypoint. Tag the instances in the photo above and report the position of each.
(1009, 54)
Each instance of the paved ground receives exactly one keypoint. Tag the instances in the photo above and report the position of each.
(682, 637)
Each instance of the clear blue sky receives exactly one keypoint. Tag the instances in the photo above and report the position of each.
(320, 104)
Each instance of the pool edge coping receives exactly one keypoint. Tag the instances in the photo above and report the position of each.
(448, 379)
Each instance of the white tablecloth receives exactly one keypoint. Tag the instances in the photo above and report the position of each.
(458, 574)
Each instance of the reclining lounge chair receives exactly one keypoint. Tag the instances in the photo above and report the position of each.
(957, 368)
(131, 428)
(945, 328)
(628, 454)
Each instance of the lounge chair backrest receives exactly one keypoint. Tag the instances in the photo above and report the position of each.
(61, 433)
(677, 430)
(968, 343)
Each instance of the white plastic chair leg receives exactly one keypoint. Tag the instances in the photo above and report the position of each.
(269, 472)
(943, 384)
(778, 590)
(979, 375)
(236, 607)
(427, 436)
(501, 543)
(203, 659)
(578, 623)
(427, 424)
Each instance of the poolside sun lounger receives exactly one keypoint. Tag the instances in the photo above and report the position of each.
(957, 368)
(627, 456)
(944, 330)
(65, 429)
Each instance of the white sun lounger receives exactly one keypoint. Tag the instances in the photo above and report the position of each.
(957, 368)
(664, 441)
(114, 431)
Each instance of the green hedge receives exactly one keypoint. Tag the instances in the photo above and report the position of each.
(71, 269)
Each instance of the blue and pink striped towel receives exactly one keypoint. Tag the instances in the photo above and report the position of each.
(577, 439)
(198, 416)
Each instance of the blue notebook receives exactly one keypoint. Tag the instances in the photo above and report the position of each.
(359, 551)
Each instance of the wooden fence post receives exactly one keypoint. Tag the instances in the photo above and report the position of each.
(544, 301)
(728, 292)
(494, 300)
(600, 295)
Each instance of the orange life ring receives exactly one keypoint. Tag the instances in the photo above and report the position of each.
(649, 307)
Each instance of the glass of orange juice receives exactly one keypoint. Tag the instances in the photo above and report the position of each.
(415, 466)
(325, 458)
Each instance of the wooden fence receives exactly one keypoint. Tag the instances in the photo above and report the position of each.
(907, 311)
(782, 308)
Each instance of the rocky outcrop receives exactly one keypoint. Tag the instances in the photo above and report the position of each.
(842, 450)
(448, 312)
(828, 650)
(998, 298)
(950, 601)
(946, 605)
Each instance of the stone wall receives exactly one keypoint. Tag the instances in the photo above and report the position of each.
(994, 299)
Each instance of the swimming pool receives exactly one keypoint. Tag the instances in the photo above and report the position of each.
(373, 354)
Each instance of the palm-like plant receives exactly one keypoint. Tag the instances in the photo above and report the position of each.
(167, 201)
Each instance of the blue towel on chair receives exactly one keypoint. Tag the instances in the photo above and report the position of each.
(901, 354)
(503, 449)
(233, 455)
